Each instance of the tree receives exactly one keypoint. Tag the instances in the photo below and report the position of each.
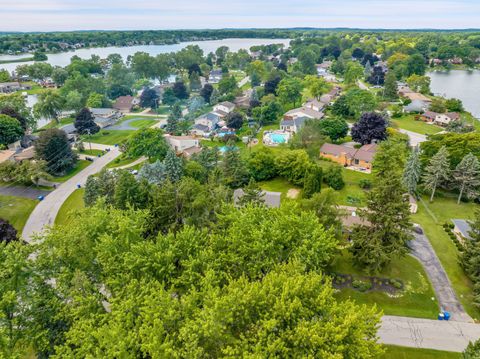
(437, 172)
(261, 164)
(59, 75)
(53, 147)
(100, 186)
(419, 83)
(85, 123)
(416, 65)
(40, 56)
(234, 170)
(180, 90)
(457, 144)
(271, 84)
(149, 98)
(10, 130)
(371, 126)
(154, 173)
(470, 256)
(307, 60)
(49, 105)
(8, 233)
(472, 351)
(390, 91)
(206, 92)
(289, 91)
(377, 76)
(358, 53)
(317, 86)
(437, 105)
(333, 177)
(227, 84)
(148, 142)
(467, 177)
(412, 172)
(74, 101)
(353, 72)
(173, 167)
(255, 79)
(268, 113)
(359, 101)
(252, 195)
(335, 129)
(324, 205)
(168, 97)
(194, 81)
(235, 120)
(312, 182)
(387, 228)
(128, 191)
(454, 105)
(96, 100)
(11, 112)
(292, 165)
(173, 117)
(4, 76)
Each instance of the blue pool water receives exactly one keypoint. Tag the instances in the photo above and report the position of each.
(224, 149)
(278, 138)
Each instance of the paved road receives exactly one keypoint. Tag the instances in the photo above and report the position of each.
(424, 252)
(26, 192)
(426, 333)
(415, 138)
(46, 211)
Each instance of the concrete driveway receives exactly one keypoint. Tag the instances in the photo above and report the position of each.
(415, 138)
(46, 211)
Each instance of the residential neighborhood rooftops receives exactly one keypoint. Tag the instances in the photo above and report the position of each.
(227, 104)
(6, 155)
(124, 103)
(304, 112)
(463, 227)
(297, 121)
(364, 153)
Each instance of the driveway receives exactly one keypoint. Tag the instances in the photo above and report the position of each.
(427, 333)
(26, 192)
(424, 252)
(125, 125)
(415, 138)
(46, 211)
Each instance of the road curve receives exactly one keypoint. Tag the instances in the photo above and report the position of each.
(46, 211)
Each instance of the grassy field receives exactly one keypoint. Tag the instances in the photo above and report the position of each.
(80, 165)
(106, 137)
(431, 216)
(73, 202)
(143, 122)
(395, 352)
(409, 123)
(416, 301)
(16, 210)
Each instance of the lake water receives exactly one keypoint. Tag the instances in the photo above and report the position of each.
(461, 84)
(63, 58)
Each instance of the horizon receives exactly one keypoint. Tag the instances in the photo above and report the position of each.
(88, 15)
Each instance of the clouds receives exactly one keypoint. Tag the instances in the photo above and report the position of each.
(48, 15)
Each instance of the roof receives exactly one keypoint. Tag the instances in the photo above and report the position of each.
(5, 155)
(9, 84)
(69, 128)
(227, 104)
(364, 153)
(463, 227)
(26, 154)
(453, 115)
(314, 102)
(201, 127)
(430, 114)
(416, 106)
(217, 72)
(350, 221)
(306, 111)
(271, 199)
(298, 122)
(212, 116)
(192, 150)
(416, 96)
(124, 102)
(101, 111)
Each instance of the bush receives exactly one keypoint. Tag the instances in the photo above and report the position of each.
(396, 283)
(361, 285)
(365, 183)
(334, 178)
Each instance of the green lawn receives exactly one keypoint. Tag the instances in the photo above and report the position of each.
(396, 352)
(121, 161)
(143, 122)
(16, 210)
(278, 185)
(92, 152)
(409, 123)
(416, 301)
(73, 202)
(108, 137)
(351, 189)
(79, 166)
(163, 110)
(62, 122)
(431, 216)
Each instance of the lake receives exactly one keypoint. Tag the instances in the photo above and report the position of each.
(461, 84)
(63, 58)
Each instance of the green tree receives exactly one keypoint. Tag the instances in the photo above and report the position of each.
(353, 72)
(4, 76)
(307, 60)
(147, 142)
(470, 256)
(390, 87)
(74, 101)
(472, 351)
(412, 172)
(85, 123)
(252, 195)
(292, 165)
(173, 167)
(100, 186)
(234, 170)
(334, 178)
(53, 147)
(437, 171)
(454, 105)
(419, 83)
(173, 117)
(437, 105)
(49, 105)
(317, 86)
(227, 84)
(289, 90)
(10, 130)
(128, 191)
(261, 164)
(268, 113)
(96, 100)
(312, 182)
(154, 173)
(467, 177)
(335, 129)
(359, 101)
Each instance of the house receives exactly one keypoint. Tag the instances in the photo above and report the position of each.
(429, 116)
(215, 76)
(413, 96)
(303, 112)
(271, 199)
(416, 106)
(104, 117)
(25, 155)
(9, 87)
(358, 159)
(184, 145)
(200, 130)
(462, 229)
(322, 69)
(224, 107)
(125, 103)
(205, 124)
(314, 104)
(6, 155)
(293, 125)
(160, 89)
(443, 119)
(331, 96)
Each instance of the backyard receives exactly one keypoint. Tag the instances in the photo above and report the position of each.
(16, 210)
(408, 122)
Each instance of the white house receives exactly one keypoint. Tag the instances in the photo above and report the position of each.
(185, 145)
(443, 119)
(303, 112)
(314, 104)
(105, 116)
(225, 107)
(205, 124)
(293, 125)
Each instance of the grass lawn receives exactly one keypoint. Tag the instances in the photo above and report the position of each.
(80, 165)
(121, 161)
(163, 110)
(278, 185)
(62, 122)
(431, 216)
(143, 122)
(409, 123)
(416, 300)
(396, 352)
(16, 210)
(92, 152)
(351, 194)
(108, 137)
(73, 202)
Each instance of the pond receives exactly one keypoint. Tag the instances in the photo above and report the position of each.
(461, 84)
(63, 58)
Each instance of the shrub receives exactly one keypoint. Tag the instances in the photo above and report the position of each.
(396, 283)
(365, 183)
(334, 178)
(361, 285)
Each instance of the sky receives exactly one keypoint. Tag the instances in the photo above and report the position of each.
(52, 15)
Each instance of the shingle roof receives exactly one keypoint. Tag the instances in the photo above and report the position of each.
(364, 153)
(228, 104)
(271, 199)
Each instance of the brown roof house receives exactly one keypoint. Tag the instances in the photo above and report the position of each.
(360, 159)
(125, 103)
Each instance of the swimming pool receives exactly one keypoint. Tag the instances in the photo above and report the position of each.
(224, 149)
(278, 138)
(275, 138)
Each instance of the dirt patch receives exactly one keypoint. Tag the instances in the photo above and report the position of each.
(293, 193)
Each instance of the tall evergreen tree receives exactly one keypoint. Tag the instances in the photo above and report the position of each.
(234, 170)
(312, 182)
(154, 173)
(85, 124)
(437, 171)
(252, 194)
(467, 176)
(173, 166)
(412, 172)
(173, 117)
(470, 256)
